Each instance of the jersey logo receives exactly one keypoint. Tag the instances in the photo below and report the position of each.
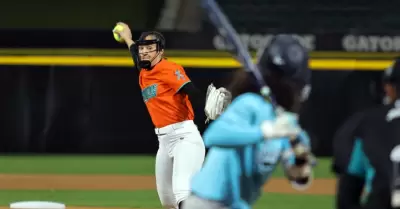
(149, 92)
(179, 75)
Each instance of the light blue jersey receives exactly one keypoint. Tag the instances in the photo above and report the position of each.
(240, 160)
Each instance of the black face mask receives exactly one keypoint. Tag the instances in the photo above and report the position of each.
(146, 64)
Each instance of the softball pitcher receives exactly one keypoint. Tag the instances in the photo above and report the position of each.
(249, 139)
(168, 94)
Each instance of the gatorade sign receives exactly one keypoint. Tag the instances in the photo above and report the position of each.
(365, 43)
(257, 41)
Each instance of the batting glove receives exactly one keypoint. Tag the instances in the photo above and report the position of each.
(282, 126)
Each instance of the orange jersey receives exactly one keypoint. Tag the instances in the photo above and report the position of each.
(160, 88)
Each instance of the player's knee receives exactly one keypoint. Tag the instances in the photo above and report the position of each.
(181, 195)
(167, 200)
(168, 203)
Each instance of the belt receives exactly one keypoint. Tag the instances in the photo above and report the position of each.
(167, 129)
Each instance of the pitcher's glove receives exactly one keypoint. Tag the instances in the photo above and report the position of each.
(216, 101)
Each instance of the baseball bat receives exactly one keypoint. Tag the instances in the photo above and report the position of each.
(240, 52)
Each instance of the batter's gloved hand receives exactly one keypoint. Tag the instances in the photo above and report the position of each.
(299, 175)
(283, 126)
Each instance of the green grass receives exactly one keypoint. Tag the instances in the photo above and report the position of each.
(149, 199)
(124, 165)
(294, 201)
(118, 165)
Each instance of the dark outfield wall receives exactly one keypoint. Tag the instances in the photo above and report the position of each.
(94, 109)
(88, 14)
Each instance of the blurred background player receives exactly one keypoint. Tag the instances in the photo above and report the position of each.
(362, 148)
(169, 95)
(241, 158)
(353, 171)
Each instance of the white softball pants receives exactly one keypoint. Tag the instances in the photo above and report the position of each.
(180, 155)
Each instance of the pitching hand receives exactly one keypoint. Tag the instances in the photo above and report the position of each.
(126, 33)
